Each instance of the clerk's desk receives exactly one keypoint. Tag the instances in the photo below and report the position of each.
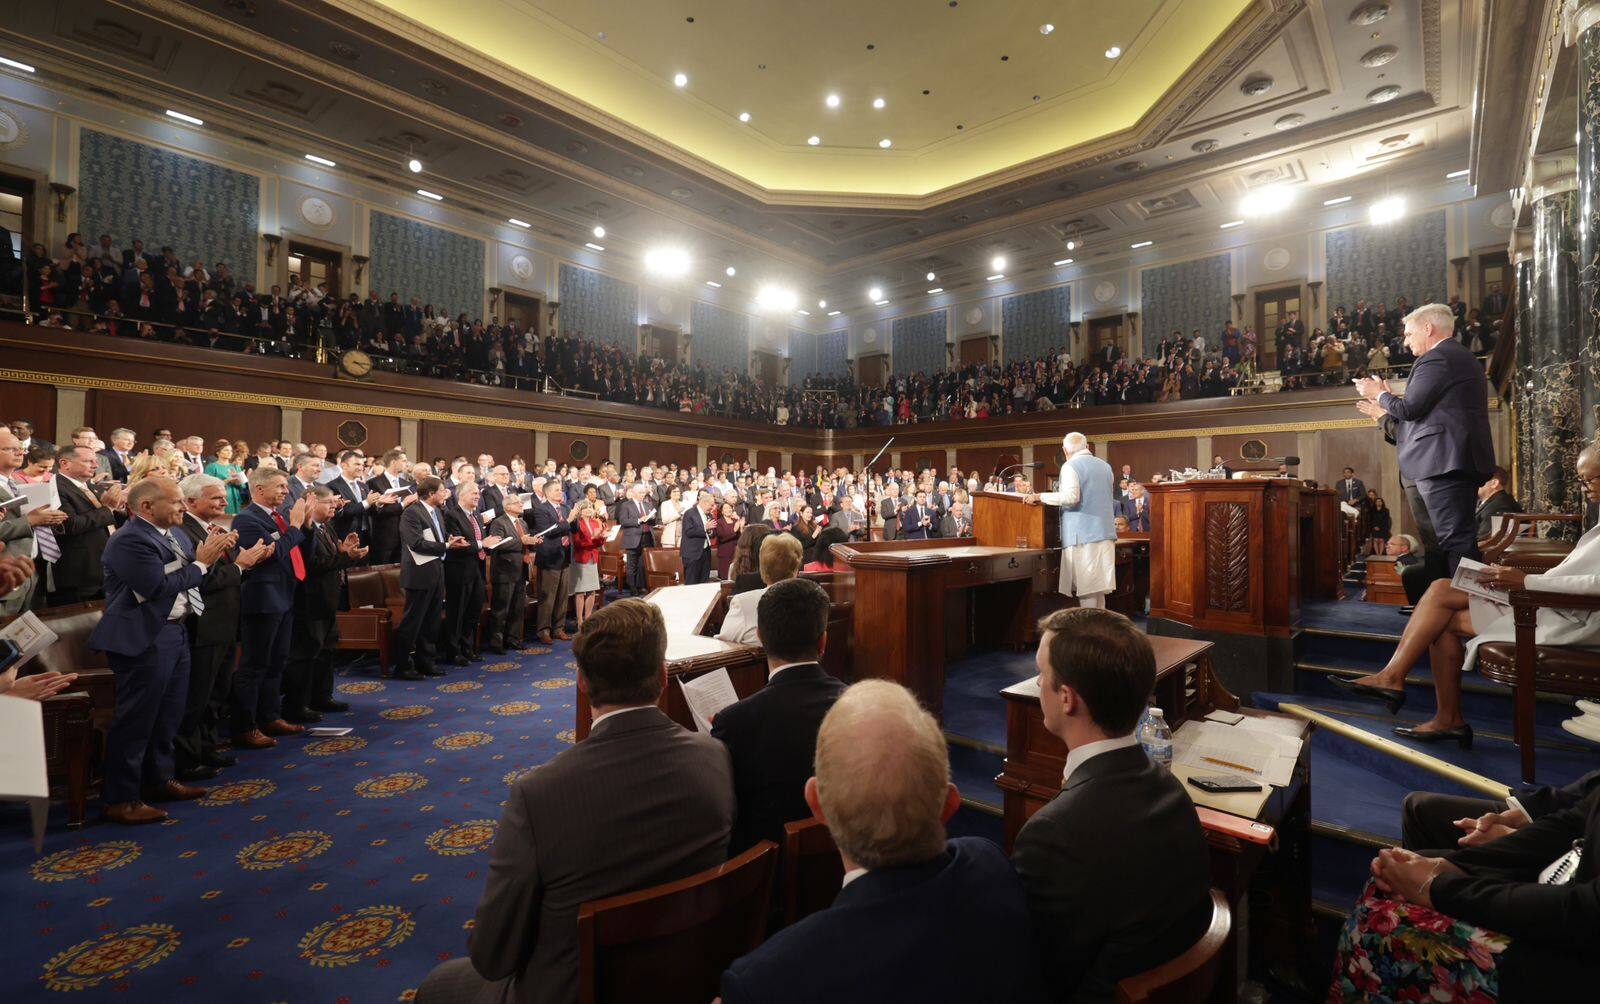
(1187, 689)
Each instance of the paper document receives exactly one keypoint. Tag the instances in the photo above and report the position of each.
(507, 542)
(707, 695)
(328, 731)
(611, 534)
(1469, 579)
(30, 635)
(22, 772)
(428, 536)
(526, 497)
(40, 496)
(421, 559)
(1263, 756)
(14, 500)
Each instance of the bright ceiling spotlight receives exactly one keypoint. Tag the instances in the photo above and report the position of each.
(1272, 199)
(181, 117)
(884, 144)
(878, 102)
(1072, 245)
(997, 263)
(1046, 28)
(875, 294)
(599, 231)
(325, 162)
(832, 101)
(730, 271)
(414, 166)
(1114, 52)
(1387, 210)
(680, 79)
(744, 116)
(668, 261)
(777, 298)
(931, 276)
(822, 304)
(813, 141)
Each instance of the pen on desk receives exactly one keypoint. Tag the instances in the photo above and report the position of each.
(1230, 763)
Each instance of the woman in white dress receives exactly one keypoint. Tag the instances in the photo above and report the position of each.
(671, 514)
(1449, 625)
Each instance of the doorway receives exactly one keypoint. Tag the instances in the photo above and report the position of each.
(16, 194)
(974, 350)
(871, 371)
(1494, 287)
(1104, 331)
(767, 367)
(525, 310)
(1273, 307)
(659, 342)
(316, 265)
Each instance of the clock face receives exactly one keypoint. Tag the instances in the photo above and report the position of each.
(356, 363)
(522, 267)
(316, 212)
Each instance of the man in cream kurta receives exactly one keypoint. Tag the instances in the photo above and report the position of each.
(1086, 497)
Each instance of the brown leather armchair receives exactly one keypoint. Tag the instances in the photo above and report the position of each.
(368, 625)
(1515, 545)
(77, 720)
(663, 566)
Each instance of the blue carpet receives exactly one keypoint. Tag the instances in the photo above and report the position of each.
(974, 771)
(973, 706)
(324, 870)
(1352, 615)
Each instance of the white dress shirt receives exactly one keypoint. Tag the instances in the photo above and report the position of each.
(1079, 755)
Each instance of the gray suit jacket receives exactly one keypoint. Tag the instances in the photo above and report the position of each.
(17, 534)
(640, 802)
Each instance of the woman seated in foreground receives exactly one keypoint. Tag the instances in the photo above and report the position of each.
(1449, 626)
(779, 556)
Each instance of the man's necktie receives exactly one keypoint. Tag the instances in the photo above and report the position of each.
(44, 538)
(197, 606)
(297, 561)
(477, 534)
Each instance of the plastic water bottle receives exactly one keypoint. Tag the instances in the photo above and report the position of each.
(1156, 738)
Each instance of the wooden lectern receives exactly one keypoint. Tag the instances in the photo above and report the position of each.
(1003, 519)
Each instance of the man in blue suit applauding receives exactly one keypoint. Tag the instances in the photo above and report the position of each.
(920, 918)
(1441, 427)
(152, 583)
(266, 610)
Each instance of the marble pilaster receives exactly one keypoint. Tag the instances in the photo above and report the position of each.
(1522, 379)
(1551, 412)
(1587, 221)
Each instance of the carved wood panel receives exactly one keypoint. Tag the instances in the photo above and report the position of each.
(1227, 556)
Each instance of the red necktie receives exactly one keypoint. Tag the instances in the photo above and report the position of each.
(477, 534)
(296, 560)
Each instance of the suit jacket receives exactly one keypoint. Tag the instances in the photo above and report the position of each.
(1117, 873)
(910, 518)
(219, 625)
(317, 599)
(1551, 927)
(82, 538)
(1443, 419)
(1498, 504)
(888, 511)
(1353, 491)
(772, 737)
(948, 931)
(639, 775)
(505, 561)
(296, 490)
(269, 586)
(119, 470)
(491, 499)
(695, 539)
(383, 520)
(140, 591)
(551, 553)
(353, 517)
(634, 533)
(948, 527)
(1138, 522)
(414, 523)
(462, 562)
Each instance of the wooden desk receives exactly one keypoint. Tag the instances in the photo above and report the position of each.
(1321, 531)
(1187, 689)
(1383, 581)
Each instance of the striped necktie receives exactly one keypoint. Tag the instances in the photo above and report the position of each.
(197, 606)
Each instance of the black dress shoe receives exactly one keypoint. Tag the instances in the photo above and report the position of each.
(407, 674)
(1395, 699)
(474, 656)
(219, 760)
(431, 671)
(301, 716)
(496, 650)
(460, 660)
(200, 773)
(330, 707)
(1462, 734)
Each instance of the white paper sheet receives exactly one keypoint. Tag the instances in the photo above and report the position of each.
(30, 635)
(707, 695)
(1469, 579)
(486, 515)
(22, 771)
(611, 534)
(40, 496)
(421, 559)
(1263, 755)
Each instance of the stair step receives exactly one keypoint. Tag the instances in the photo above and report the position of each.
(1485, 703)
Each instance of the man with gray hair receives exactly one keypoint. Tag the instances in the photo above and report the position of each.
(1440, 426)
(1086, 496)
(920, 917)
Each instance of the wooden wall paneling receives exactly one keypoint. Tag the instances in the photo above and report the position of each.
(986, 460)
(382, 431)
(809, 462)
(639, 452)
(198, 416)
(451, 439)
(1151, 456)
(572, 448)
(1358, 448)
(1278, 444)
(769, 458)
(36, 403)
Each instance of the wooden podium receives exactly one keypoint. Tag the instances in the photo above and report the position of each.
(1002, 519)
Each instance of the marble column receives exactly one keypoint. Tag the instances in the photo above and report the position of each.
(1550, 415)
(1587, 221)
(1521, 309)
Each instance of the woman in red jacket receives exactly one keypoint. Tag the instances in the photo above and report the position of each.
(726, 537)
(586, 545)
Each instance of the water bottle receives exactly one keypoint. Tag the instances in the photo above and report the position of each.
(1141, 731)
(1157, 740)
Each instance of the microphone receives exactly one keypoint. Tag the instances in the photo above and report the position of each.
(1289, 461)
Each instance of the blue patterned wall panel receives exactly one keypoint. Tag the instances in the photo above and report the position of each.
(1380, 264)
(1034, 324)
(802, 355)
(833, 354)
(202, 210)
(721, 338)
(919, 343)
(826, 353)
(438, 266)
(1186, 296)
(603, 308)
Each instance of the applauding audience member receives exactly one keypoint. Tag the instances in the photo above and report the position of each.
(266, 610)
(308, 679)
(422, 544)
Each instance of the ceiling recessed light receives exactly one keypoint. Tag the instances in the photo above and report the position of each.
(832, 101)
(1337, 202)
(1140, 244)
(813, 141)
(1231, 224)
(878, 102)
(931, 277)
(181, 117)
(1457, 174)
(713, 284)
(667, 261)
(833, 313)
(1387, 210)
(875, 293)
(1047, 28)
(1072, 245)
(822, 304)
(681, 79)
(884, 143)
(519, 223)
(1063, 261)
(1271, 199)
(1114, 52)
(936, 289)
(325, 162)
(879, 303)
(992, 278)
(592, 246)
(599, 231)
(998, 263)
(435, 196)
(744, 116)
(414, 166)
(24, 67)
(730, 271)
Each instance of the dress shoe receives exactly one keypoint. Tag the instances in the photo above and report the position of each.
(1584, 726)
(219, 760)
(330, 707)
(544, 637)
(1395, 699)
(563, 636)
(1462, 734)
(282, 728)
(460, 660)
(173, 791)
(496, 650)
(301, 716)
(133, 813)
(255, 739)
(407, 673)
(433, 672)
(199, 773)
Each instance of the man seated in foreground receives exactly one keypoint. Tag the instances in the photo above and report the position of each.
(919, 918)
(1116, 866)
(639, 802)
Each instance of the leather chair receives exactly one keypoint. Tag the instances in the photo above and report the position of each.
(394, 597)
(663, 566)
(812, 869)
(670, 944)
(368, 625)
(1189, 977)
(1516, 544)
(76, 720)
(611, 564)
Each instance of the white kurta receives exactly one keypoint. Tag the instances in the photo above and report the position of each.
(1086, 569)
(1578, 572)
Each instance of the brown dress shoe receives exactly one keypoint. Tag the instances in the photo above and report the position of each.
(563, 636)
(282, 728)
(133, 813)
(253, 740)
(173, 791)
(544, 637)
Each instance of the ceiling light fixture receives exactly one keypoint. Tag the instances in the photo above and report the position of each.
(414, 166)
(832, 101)
(936, 289)
(1457, 174)
(592, 246)
(599, 231)
(777, 298)
(822, 304)
(1046, 28)
(1063, 261)
(1387, 210)
(992, 278)
(884, 143)
(833, 313)
(744, 116)
(1114, 52)
(713, 284)
(802, 313)
(875, 293)
(730, 271)
(181, 117)
(1231, 224)
(1341, 200)
(878, 102)
(24, 67)
(1271, 199)
(879, 303)
(1140, 244)
(998, 263)
(813, 141)
(667, 261)
(325, 162)
(435, 196)
(680, 79)
(931, 277)
(1072, 245)
(519, 223)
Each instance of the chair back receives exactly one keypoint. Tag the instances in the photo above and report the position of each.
(71, 652)
(812, 869)
(366, 586)
(838, 656)
(390, 576)
(663, 566)
(671, 943)
(1188, 978)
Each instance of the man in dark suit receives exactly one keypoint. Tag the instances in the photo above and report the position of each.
(464, 569)
(1493, 500)
(423, 543)
(920, 918)
(1432, 821)
(694, 543)
(384, 516)
(508, 577)
(552, 521)
(307, 472)
(1135, 508)
(266, 610)
(119, 455)
(956, 522)
(1443, 427)
(634, 514)
(75, 577)
(213, 633)
(1116, 866)
(141, 631)
(492, 494)
(355, 514)
(772, 734)
(919, 521)
(1351, 488)
(569, 833)
(308, 678)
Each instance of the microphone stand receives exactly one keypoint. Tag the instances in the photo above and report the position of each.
(866, 477)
